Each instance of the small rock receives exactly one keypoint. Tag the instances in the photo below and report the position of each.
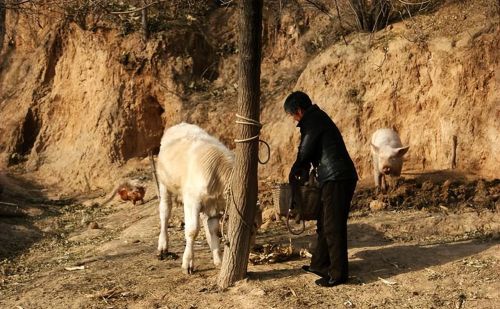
(47, 229)
(446, 185)
(427, 185)
(257, 292)
(377, 205)
(269, 215)
(85, 219)
(93, 225)
(90, 204)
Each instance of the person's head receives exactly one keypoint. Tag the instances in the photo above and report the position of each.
(296, 104)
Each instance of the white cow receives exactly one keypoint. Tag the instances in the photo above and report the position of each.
(196, 167)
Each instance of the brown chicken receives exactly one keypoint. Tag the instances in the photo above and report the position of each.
(133, 194)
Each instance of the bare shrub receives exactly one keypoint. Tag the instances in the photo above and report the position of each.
(370, 15)
(127, 15)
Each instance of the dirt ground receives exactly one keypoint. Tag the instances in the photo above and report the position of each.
(441, 254)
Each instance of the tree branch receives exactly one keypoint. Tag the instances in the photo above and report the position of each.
(320, 7)
(414, 3)
(340, 22)
(138, 9)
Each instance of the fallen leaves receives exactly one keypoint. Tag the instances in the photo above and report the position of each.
(273, 253)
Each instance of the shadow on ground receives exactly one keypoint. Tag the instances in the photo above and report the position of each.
(23, 203)
(385, 262)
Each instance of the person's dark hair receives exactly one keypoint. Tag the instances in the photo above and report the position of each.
(296, 100)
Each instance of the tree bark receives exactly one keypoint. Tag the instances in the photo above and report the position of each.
(243, 205)
(144, 22)
(453, 160)
(2, 23)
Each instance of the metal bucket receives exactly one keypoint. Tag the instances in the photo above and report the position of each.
(282, 199)
(307, 201)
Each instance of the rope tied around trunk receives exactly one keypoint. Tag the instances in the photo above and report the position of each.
(247, 121)
(251, 122)
(228, 191)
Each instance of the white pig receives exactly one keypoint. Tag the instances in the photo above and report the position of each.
(387, 154)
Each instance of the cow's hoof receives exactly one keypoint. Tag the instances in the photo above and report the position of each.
(162, 255)
(188, 271)
(217, 260)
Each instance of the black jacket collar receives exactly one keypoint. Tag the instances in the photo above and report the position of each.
(307, 114)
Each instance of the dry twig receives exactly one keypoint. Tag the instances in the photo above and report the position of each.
(387, 281)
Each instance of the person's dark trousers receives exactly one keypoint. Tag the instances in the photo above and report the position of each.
(330, 255)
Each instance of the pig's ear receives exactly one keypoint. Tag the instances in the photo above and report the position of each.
(374, 148)
(401, 151)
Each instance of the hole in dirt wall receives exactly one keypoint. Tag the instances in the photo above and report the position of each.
(27, 137)
(53, 54)
(145, 129)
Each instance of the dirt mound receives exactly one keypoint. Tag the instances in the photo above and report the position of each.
(103, 99)
(81, 102)
(445, 195)
(430, 92)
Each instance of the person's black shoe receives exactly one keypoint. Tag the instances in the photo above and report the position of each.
(316, 272)
(329, 282)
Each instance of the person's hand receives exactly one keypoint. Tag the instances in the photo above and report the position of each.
(298, 176)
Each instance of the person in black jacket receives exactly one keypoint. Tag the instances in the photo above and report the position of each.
(322, 146)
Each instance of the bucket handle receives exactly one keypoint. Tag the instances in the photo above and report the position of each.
(290, 229)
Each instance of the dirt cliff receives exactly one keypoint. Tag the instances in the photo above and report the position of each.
(82, 105)
(429, 86)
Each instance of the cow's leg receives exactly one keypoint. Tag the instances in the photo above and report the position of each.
(391, 183)
(211, 226)
(378, 179)
(192, 226)
(383, 183)
(165, 211)
(376, 172)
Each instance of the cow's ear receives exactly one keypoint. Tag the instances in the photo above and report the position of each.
(401, 151)
(374, 148)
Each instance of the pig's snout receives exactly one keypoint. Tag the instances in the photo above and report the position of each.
(386, 170)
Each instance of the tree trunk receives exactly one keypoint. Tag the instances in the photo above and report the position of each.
(453, 161)
(242, 209)
(2, 23)
(144, 22)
